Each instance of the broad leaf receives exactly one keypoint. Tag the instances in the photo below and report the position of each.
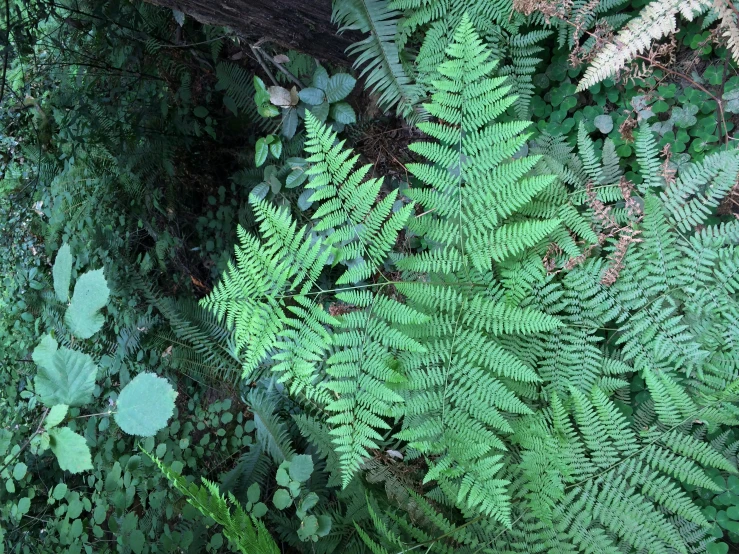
(343, 113)
(280, 96)
(311, 95)
(339, 87)
(261, 151)
(320, 78)
(70, 449)
(69, 378)
(301, 468)
(145, 405)
(282, 499)
(91, 293)
(43, 354)
(56, 415)
(62, 272)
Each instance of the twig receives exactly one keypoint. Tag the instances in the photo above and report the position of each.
(254, 51)
(7, 49)
(282, 68)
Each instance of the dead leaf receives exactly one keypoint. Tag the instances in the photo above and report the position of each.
(280, 96)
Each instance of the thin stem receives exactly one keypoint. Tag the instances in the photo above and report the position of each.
(282, 68)
(255, 51)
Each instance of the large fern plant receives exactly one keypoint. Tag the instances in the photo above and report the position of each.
(504, 384)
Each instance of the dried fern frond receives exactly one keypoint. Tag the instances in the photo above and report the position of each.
(657, 20)
(729, 27)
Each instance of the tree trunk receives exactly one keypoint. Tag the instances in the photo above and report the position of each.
(303, 25)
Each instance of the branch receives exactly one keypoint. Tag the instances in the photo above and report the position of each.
(7, 50)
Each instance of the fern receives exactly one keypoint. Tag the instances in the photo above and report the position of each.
(244, 532)
(656, 20)
(378, 54)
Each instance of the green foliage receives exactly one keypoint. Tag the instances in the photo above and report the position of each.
(245, 533)
(522, 342)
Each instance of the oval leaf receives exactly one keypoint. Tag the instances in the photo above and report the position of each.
(282, 499)
(68, 379)
(145, 405)
(62, 272)
(604, 123)
(343, 113)
(280, 96)
(261, 151)
(301, 468)
(70, 449)
(276, 148)
(311, 95)
(91, 293)
(320, 78)
(339, 87)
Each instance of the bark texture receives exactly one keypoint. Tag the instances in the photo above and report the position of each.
(304, 25)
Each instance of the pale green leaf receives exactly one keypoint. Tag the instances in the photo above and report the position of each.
(62, 272)
(70, 449)
(145, 405)
(43, 354)
(19, 471)
(68, 379)
(56, 416)
(301, 468)
(91, 293)
(282, 499)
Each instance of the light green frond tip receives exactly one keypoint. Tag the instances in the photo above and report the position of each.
(91, 293)
(145, 405)
(62, 272)
(70, 449)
